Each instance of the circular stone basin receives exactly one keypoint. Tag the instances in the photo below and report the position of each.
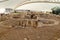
(48, 22)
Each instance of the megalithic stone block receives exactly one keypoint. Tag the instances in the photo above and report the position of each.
(35, 24)
(29, 23)
(24, 23)
(21, 22)
(0, 17)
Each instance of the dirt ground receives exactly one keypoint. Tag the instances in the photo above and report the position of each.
(9, 32)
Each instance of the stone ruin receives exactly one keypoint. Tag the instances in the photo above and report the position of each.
(25, 19)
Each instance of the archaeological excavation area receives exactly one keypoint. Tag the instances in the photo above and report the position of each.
(29, 25)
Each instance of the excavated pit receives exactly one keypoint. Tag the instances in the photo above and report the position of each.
(29, 26)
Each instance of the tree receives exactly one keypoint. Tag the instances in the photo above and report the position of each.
(56, 10)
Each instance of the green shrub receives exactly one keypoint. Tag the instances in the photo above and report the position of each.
(56, 10)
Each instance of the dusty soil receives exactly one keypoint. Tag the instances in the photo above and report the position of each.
(10, 29)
